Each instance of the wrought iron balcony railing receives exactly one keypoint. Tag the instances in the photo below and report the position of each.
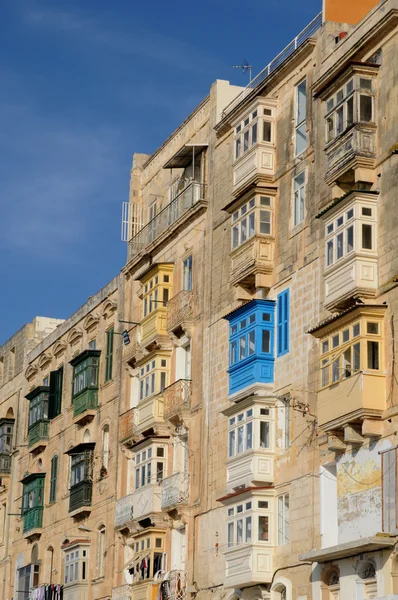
(175, 490)
(179, 309)
(188, 197)
(124, 511)
(177, 397)
(177, 588)
(39, 431)
(127, 422)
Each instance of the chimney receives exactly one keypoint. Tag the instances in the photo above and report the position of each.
(343, 11)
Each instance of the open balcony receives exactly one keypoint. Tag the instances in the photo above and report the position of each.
(247, 565)
(184, 206)
(175, 491)
(147, 500)
(180, 312)
(354, 150)
(253, 263)
(38, 436)
(177, 399)
(127, 426)
(124, 512)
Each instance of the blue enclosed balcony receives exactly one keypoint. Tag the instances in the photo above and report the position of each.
(251, 345)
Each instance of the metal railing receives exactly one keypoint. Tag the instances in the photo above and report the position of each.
(175, 490)
(127, 425)
(188, 197)
(124, 511)
(176, 397)
(177, 588)
(298, 41)
(179, 309)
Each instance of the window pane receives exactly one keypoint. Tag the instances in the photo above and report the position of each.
(356, 357)
(365, 84)
(254, 134)
(339, 245)
(373, 328)
(242, 347)
(330, 128)
(240, 440)
(347, 363)
(366, 212)
(350, 112)
(245, 141)
(355, 330)
(248, 529)
(249, 436)
(346, 335)
(335, 341)
(266, 131)
(366, 236)
(301, 102)
(230, 534)
(234, 357)
(340, 120)
(301, 139)
(336, 370)
(266, 341)
(365, 108)
(325, 346)
(329, 252)
(243, 231)
(252, 342)
(350, 239)
(251, 225)
(265, 222)
(325, 373)
(265, 201)
(239, 531)
(231, 443)
(264, 434)
(263, 529)
(373, 355)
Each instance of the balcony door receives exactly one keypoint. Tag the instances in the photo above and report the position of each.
(178, 549)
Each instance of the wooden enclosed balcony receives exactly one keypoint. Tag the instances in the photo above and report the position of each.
(353, 151)
(80, 497)
(127, 426)
(38, 436)
(180, 312)
(248, 565)
(253, 263)
(177, 399)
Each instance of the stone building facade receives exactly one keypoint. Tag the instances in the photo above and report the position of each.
(232, 431)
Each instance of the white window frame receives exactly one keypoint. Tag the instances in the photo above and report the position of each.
(244, 130)
(299, 198)
(149, 384)
(300, 120)
(248, 424)
(243, 521)
(146, 465)
(283, 519)
(255, 217)
(339, 242)
(338, 103)
(74, 559)
(187, 273)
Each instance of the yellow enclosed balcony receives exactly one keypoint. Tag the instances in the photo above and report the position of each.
(148, 559)
(153, 378)
(252, 239)
(254, 149)
(352, 395)
(157, 285)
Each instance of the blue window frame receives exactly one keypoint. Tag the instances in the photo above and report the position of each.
(251, 344)
(283, 322)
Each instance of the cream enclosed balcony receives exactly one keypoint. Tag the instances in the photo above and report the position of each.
(350, 249)
(352, 395)
(177, 400)
(147, 500)
(124, 513)
(169, 220)
(175, 491)
(180, 312)
(157, 285)
(254, 150)
(150, 413)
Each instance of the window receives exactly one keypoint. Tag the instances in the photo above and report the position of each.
(33, 501)
(109, 354)
(283, 519)
(255, 217)
(150, 466)
(343, 354)
(248, 522)
(157, 291)
(250, 336)
(248, 430)
(6, 440)
(354, 102)
(283, 314)
(351, 230)
(187, 274)
(76, 565)
(153, 377)
(148, 559)
(85, 372)
(81, 468)
(38, 406)
(101, 541)
(255, 127)
(105, 450)
(301, 111)
(55, 396)
(286, 421)
(299, 198)
(53, 479)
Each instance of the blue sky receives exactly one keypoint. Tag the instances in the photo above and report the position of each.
(83, 85)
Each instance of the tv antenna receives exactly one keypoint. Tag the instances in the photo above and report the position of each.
(245, 67)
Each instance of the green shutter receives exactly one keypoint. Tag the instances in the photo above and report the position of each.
(60, 380)
(52, 396)
(53, 479)
(109, 355)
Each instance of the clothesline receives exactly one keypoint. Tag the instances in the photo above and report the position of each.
(47, 592)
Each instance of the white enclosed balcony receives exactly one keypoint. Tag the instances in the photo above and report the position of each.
(248, 565)
(147, 500)
(175, 491)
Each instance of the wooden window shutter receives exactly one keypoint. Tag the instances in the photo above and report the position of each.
(389, 490)
(52, 395)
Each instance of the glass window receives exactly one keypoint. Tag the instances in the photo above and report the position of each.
(283, 519)
(146, 465)
(366, 236)
(299, 198)
(283, 327)
(301, 109)
(372, 328)
(373, 355)
(187, 273)
(263, 529)
(348, 106)
(264, 434)
(249, 220)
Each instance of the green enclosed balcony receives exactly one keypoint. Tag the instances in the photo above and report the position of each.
(32, 503)
(6, 437)
(81, 482)
(85, 385)
(39, 424)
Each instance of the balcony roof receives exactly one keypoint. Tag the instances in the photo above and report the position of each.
(184, 156)
(248, 305)
(80, 448)
(83, 355)
(245, 490)
(337, 201)
(31, 477)
(369, 544)
(36, 391)
(335, 317)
